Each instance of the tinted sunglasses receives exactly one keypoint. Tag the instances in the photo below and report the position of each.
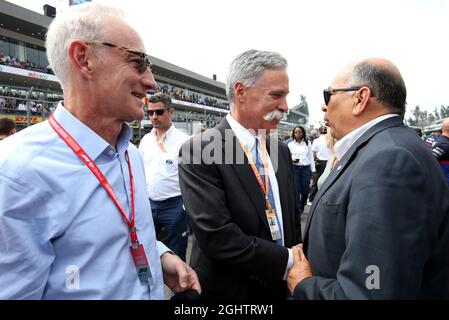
(327, 93)
(159, 112)
(144, 61)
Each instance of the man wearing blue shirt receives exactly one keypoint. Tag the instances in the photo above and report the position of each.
(74, 215)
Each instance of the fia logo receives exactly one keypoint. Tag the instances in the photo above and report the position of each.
(170, 165)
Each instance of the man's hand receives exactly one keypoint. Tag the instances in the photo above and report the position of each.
(300, 269)
(178, 276)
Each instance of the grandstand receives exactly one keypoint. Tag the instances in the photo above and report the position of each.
(29, 91)
(299, 114)
(436, 125)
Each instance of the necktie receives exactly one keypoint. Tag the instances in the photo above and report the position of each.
(335, 163)
(260, 168)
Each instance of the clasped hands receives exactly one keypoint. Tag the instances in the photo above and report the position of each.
(300, 270)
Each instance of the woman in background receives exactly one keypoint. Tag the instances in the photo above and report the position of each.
(303, 165)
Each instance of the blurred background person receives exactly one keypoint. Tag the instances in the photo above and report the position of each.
(312, 136)
(418, 132)
(7, 128)
(332, 162)
(303, 165)
(441, 149)
(160, 149)
(432, 138)
(320, 156)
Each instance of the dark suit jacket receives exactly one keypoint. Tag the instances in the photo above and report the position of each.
(379, 227)
(233, 253)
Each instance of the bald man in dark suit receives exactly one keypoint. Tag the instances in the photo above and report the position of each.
(379, 226)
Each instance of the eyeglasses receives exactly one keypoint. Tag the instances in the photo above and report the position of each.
(143, 63)
(159, 112)
(327, 93)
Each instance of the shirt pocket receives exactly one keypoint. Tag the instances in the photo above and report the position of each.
(328, 219)
(327, 206)
(168, 165)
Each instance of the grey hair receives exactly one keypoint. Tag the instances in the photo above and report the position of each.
(387, 86)
(85, 22)
(161, 97)
(248, 67)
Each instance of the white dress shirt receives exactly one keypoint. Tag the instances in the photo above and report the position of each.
(303, 152)
(161, 167)
(249, 141)
(342, 146)
(320, 147)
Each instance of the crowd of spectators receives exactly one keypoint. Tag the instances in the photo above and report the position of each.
(174, 92)
(11, 100)
(180, 94)
(18, 106)
(7, 60)
(15, 101)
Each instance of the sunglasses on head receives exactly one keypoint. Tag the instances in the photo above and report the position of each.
(144, 62)
(159, 112)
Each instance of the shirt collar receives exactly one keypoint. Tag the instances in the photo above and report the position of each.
(244, 135)
(342, 146)
(299, 143)
(167, 133)
(91, 142)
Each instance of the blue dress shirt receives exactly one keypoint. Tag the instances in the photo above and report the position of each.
(61, 235)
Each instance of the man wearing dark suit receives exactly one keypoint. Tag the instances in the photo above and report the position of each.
(243, 230)
(379, 225)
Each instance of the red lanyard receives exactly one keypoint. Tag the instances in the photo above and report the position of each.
(99, 175)
(265, 189)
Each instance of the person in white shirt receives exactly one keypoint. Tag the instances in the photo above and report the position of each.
(160, 149)
(331, 162)
(22, 106)
(2, 102)
(320, 155)
(303, 165)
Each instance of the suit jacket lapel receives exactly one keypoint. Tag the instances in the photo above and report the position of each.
(346, 161)
(244, 172)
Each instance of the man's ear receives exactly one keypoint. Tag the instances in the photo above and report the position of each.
(239, 90)
(361, 99)
(80, 58)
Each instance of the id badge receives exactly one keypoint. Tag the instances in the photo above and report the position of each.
(273, 224)
(142, 266)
